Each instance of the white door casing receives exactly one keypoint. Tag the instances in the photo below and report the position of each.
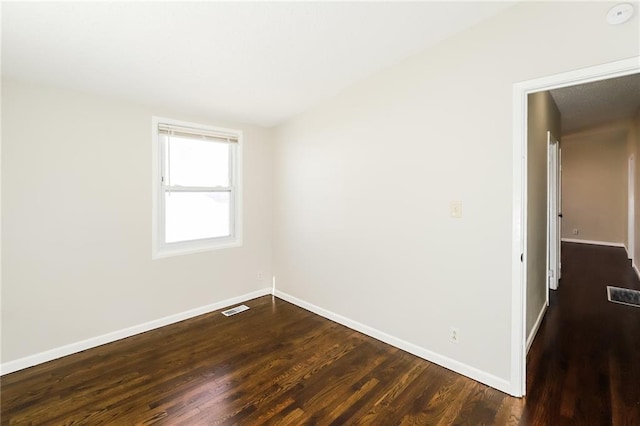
(553, 213)
(631, 215)
(559, 187)
(519, 207)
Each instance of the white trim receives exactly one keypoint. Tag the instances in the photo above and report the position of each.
(631, 203)
(594, 242)
(59, 352)
(536, 326)
(519, 220)
(553, 213)
(159, 249)
(192, 247)
(548, 248)
(444, 361)
(519, 242)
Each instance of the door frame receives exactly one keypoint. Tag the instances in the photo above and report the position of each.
(521, 90)
(553, 213)
(631, 209)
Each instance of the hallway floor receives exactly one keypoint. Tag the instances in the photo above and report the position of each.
(584, 365)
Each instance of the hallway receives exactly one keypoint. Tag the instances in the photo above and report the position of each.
(584, 365)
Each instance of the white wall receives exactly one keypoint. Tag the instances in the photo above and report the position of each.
(76, 225)
(363, 183)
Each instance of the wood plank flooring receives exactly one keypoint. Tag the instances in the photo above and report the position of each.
(584, 366)
(279, 364)
(275, 363)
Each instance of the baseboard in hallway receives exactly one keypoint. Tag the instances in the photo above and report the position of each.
(593, 242)
(536, 327)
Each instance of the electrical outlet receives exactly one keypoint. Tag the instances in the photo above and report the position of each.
(454, 334)
(575, 231)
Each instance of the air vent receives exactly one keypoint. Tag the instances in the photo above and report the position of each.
(624, 296)
(235, 310)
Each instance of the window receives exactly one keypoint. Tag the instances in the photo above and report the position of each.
(197, 192)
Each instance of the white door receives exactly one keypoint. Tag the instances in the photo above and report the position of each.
(559, 188)
(553, 212)
(631, 209)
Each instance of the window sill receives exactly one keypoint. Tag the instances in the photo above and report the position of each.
(192, 248)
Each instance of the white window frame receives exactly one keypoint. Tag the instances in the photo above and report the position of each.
(160, 248)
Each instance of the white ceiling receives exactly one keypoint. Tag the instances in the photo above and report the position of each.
(255, 62)
(597, 103)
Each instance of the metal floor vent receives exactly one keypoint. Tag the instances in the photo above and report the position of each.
(235, 310)
(623, 296)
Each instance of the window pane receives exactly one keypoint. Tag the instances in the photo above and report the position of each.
(193, 162)
(196, 215)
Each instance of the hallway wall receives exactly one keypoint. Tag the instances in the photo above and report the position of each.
(543, 116)
(594, 184)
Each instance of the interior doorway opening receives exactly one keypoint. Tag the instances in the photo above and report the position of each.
(520, 238)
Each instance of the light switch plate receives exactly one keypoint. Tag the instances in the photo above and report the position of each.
(456, 209)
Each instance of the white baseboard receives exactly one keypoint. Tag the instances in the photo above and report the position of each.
(536, 326)
(444, 361)
(59, 352)
(596, 243)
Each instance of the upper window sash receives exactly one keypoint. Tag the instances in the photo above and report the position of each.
(196, 163)
(189, 132)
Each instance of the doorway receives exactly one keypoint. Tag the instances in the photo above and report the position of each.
(519, 241)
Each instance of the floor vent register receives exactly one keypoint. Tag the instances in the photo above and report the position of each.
(624, 296)
(235, 310)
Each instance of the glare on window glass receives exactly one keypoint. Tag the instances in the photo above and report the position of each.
(194, 162)
(196, 215)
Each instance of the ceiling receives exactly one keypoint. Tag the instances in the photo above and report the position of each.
(593, 104)
(254, 62)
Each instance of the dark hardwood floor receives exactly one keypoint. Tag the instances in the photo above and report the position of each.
(584, 366)
(279, 364)
(275, 363)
